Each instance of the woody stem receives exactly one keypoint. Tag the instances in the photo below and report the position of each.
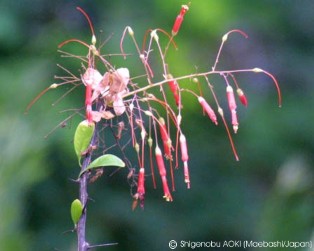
(81, 226)
(83, 183)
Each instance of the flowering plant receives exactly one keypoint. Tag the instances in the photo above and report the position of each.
(149, 122)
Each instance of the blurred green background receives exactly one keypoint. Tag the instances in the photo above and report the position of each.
(267, 195)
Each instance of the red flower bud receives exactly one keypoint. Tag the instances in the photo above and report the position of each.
(179, 19)
(185, 158)
(140, 183)
(232, 106)
(242, 97)
(184, 149)
(173, 85)
(165, 138)
(210, 112)
(174, 89)
(162, 173)
(231, 100)
(140, 189)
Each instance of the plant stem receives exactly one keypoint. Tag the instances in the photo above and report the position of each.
(81, 226)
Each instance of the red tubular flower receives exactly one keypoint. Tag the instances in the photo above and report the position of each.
(185, 158)
(165, 138)
(140, 186)
(162, 173)
(232, 106)
(231, 100)
(242, 97)
(174, 89)
(179, 20)
(210, 112)
(184, 149)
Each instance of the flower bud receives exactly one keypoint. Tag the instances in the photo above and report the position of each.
(137, 148)
(179, 20)
(174, 89)
(162, 173)
(195, 80)
(242, 97)
(53, 86)
(184, 149)
(94, 40)
(210, 112)
(185, 158)
(230, 97)
(131, 32)
(232, 106)
(150, 141)
(165, 138)
(140, 182)
(154, 35)
(224, 38)
(257, 70)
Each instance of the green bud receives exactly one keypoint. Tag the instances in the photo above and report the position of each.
(76, 211)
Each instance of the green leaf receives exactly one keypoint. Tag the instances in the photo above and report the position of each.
(82, 137)
(76, 211)
(104, 160)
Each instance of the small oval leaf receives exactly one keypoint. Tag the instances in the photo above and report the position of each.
(82, 137)
(104, 160)
(76, 211)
